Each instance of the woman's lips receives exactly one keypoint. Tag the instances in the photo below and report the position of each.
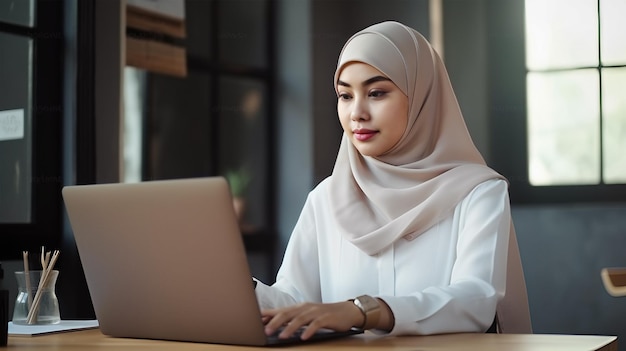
(363, 134)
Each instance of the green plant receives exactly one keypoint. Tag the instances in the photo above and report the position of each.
(238, 181)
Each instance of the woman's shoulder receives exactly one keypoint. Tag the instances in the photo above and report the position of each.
(320, 187)
(494, 183)
(496, 188)
(319, 191)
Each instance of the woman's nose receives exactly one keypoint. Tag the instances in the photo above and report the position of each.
(359, 111)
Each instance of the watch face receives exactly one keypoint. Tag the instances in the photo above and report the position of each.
(370, 308)
(368, 303)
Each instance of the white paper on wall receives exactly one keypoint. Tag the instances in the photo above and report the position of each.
(12, 124)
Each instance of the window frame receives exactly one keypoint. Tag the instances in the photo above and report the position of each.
(219, 69)
(506, 55)
(44, 228)
(601, 70)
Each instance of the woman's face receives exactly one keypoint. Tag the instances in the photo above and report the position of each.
(372, 110)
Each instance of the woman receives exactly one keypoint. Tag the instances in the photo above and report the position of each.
(409, 235)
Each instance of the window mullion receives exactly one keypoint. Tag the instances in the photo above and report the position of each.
(600, 112)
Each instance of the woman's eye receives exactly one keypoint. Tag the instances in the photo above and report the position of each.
(377, 93)
(343, 96)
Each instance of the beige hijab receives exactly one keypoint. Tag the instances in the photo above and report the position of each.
(418, 182)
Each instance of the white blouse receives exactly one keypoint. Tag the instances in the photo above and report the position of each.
(449, 279)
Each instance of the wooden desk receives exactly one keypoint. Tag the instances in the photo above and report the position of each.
(93, 339)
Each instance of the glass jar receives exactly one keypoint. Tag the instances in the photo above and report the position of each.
(46, 305)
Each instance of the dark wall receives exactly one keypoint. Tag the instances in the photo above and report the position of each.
(564, 248)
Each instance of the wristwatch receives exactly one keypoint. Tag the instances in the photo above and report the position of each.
(370, 307)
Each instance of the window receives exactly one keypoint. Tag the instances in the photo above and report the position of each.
(31, 37)
(576, 73)
(217, 120)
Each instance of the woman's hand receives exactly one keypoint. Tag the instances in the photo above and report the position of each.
(338, 316)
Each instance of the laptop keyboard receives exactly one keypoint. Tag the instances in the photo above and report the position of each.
(321, 334)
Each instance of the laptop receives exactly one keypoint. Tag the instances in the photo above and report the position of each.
(165, 260)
